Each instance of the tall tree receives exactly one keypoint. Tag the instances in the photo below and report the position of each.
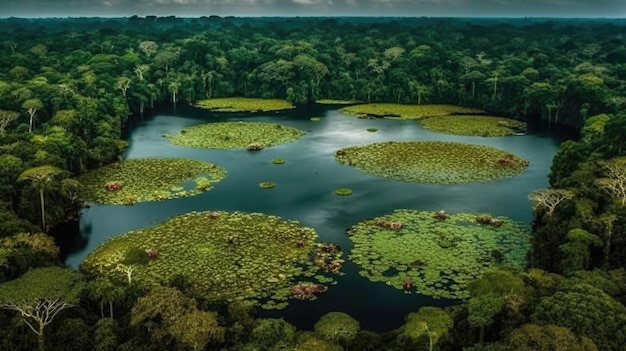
(41, 178)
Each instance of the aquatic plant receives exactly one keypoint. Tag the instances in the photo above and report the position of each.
(335, 102)
(365, 111)
(372, 130)
(434, 257)
(485, 126)
(228, 135)
(315, 119)
(224, 257)
(240, 104)
(433, 162)
(278, 161)
(343, 191)
(267, 185)
(153, 179)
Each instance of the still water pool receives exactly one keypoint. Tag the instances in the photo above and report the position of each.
(305, 192)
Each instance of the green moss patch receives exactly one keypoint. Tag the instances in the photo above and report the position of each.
(343, 191)
(223, 257)
(137, 180)
(486, 126)
(407, 111)
(434, 254)
(240, 104)
(227, 135)
(432, 162)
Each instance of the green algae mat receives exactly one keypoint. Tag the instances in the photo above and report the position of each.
(434, 162)
(155, 179)
(407, 111)
(485, 126)
(436, 254)
(228, 135)
(223, 257)
(244, 105)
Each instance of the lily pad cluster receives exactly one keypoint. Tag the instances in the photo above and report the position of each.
(228, 135)
(407, 111)
(434, 256)
(432, 162)
(224, 257)
(240, 104)
(485, 126)
(154, 179)
(335, 102)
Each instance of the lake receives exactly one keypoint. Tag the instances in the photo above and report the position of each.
(305, 192)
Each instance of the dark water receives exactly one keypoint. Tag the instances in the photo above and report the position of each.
(305, 192)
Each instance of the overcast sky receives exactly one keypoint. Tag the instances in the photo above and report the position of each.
(197, 8)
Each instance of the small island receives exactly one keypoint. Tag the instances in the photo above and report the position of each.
(434, 162)
(241, 104)
(228, 135)
(387, 110)
(154, 179)
(484, 126)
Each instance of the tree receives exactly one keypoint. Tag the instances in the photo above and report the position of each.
(269, 332)
(40, 177)
(549, 199)
(197, 328)
(338, 327)
(431, 322)
(534, 337)
(577, 249)
(148, 47)
(615, 182)
(40, 295)
(105, 291)
(32, 106)
(7, 117)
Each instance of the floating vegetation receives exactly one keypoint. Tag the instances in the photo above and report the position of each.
(226, 135)
(485, 126)
(335, 102)
(267, 185)
(240, 104)
(343, 191)
(366, 111)
(224, 257)
(278, 161)
(432, 162)
(372, 130)
(316, 119)
(418, 251)
(156, 179)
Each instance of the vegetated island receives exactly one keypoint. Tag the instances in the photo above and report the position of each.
(485, 126)
(336, 102)
(407, 111)
(153, 179)
(241, 104)
(223, 257)
(436, 253)
(229, 135)
(434, 162)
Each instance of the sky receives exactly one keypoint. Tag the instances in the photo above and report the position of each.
(246, 8)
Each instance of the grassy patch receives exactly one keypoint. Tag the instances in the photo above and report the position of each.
(267, 185)
(278, 161)
(223, 256)
(432, 162)
(335, 102)
(239, 104)
(407, 111)
(486, 126)
(130, 181)
(227, 135)
(415, 251)
(343, 191)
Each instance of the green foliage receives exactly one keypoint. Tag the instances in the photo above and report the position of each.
(244, 105)
(485, 126)
(267, 185)
(335, 102)
(433, 162)
(372, 130)
(42, 283)
(311, 342)
(427, 326)
(225, 257)
(440, 258)
(337, 327)
(408, 111)
(278, 161)
(269, 333)
(228, 135)
(588, 312)
(533, 337)
(149, 180)
(315, 119)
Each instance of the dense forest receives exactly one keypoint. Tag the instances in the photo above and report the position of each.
(68, 87)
